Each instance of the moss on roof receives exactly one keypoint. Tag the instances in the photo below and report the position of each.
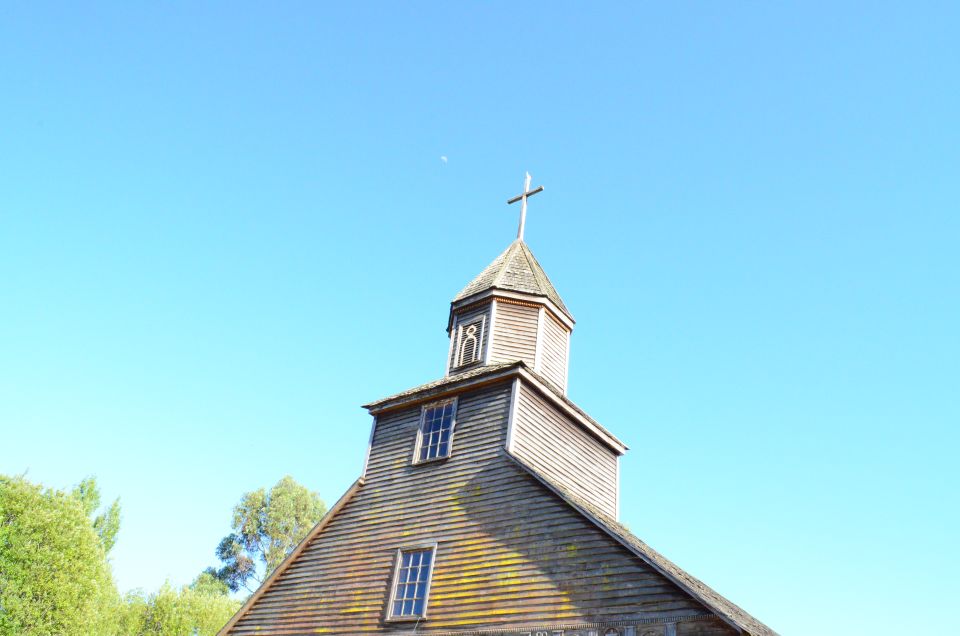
(516, 270)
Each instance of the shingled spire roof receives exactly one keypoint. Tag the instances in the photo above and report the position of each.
(516, 270)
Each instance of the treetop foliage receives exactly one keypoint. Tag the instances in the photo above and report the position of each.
(199, 609)
(107, 524)
(267, 526)
(54, 576)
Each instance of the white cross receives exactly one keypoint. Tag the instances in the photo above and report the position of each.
(527, 192)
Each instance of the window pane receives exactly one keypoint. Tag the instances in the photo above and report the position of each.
(436, 431)
(409, 596)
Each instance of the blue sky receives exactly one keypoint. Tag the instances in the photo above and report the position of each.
(225, 226)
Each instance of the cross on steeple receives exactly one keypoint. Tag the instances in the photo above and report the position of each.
(527, 192)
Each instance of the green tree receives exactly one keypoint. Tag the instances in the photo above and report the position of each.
(267, 526)
(199, 609)
(54, 576)
(106, 524)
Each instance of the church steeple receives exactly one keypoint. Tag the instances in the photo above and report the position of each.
(511, 312)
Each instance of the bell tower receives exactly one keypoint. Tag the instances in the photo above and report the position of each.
(511, 312)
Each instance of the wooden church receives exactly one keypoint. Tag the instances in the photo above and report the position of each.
(488, 502)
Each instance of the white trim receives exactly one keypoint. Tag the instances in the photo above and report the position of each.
(489, 343)
(453, 428)
(566, 365)
(366, 460)
(616, 493)
(413, 547)
(481, 341)
(450, 350)
(538, 355)
(511, 417)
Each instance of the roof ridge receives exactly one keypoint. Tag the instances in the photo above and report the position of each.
(507, 256)
(543, 281)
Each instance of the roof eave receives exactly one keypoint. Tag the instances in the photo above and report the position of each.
(721, 612)
(560, 313)
(497, 374)
(452, 384)
(578, 414)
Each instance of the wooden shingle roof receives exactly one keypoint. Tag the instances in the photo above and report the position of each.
(515, 270)
(719, 604)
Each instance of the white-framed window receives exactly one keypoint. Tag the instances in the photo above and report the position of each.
(411, 582)
(470, 342)
(435, 434)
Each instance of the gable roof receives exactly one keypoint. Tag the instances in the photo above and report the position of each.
(725, 609)
(719, 605)
(517, 270)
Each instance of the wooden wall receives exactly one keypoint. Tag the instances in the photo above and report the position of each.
(715, 627)
(511, 553)
(564, 452)
(553, 351)
(517, 330)
(515, 333)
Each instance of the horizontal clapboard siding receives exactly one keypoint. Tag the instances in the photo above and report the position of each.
(714, 627)
(461, 318)
(515, 333)
(564, 452)
(510, 552)
(553, 353)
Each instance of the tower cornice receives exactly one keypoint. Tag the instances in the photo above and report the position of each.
(562, 316)
(490, 374)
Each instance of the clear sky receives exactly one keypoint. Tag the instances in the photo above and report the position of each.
(225, 226)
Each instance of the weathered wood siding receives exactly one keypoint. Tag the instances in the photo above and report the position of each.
(564, 452)
(553, 351)
(465, 316)
(511, 553)
(515, 333)
(713, 627)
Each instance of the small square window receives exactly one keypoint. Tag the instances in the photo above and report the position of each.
(435, 437)
(411, 583)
